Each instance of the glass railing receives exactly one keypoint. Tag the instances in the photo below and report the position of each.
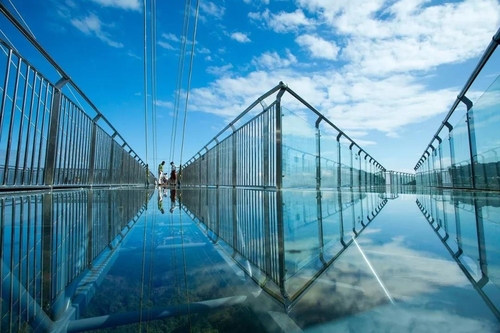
(287, 145)
(57, 248)
(466, 154)
(51, 134)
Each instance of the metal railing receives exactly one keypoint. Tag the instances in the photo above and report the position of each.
(469, 158)
(46, 140)
(285, 233)
(257, 152)
(50, 240)
(460, 220)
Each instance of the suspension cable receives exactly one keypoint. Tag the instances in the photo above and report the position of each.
(180, 74)
(146, 143)
(154, 92)
(189, 79)
(145, 63)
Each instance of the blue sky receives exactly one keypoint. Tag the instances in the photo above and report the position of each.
(384, 71)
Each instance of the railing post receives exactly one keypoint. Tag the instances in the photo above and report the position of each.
(265, 149)
(472, 138)
(217, 164)
(93, 139)
(452, 154)
(279, 140)
(233, 157)
(339, 159)
(318, 154)
(51, 154)
(351, 169)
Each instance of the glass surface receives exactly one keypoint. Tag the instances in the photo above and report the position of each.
(299, 150)
(485, 120)
(250, 260)
(462, 174)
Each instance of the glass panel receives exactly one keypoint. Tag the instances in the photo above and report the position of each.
(299, 150)
(486, 121)
(459, 137)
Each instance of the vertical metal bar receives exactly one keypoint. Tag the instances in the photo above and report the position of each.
(28, 134)
(319, 212)
(71, 147)
(65, 142)
(472, 138)
(92, 153)
(318, 155)
(481, 243)
(35, 129)
(265, 152)
(90, 196)
(52, 139)
(279, 143)
(83, 145)
(11, 125)
(5, 89)
(21, 125)
(49, 90)
(281, 239)
(217, 164)
(339, 164)
(233, 158)
(46, 253)
(2, 250)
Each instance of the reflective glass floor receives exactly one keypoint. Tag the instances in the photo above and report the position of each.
(248, 260)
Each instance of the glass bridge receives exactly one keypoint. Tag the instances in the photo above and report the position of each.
(281, 223)
(249, 260)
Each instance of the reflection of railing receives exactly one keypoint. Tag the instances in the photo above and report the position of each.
(265, 241)
(45, 136)
(471, 172)
(434, 210)
(253, 155)
(56, 239)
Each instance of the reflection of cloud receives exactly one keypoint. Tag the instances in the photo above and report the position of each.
(408, 275)
(398, 319)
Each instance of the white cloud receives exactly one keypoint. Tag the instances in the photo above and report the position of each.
(170, 37)
(414, 35)
(166, 45)
(219, 71)
(123, 4)
(91, 25)
(282, 21)
(319, 47)
(211, 9)
(166, 104)
(240, 37)
(203, 50)
(271, 60)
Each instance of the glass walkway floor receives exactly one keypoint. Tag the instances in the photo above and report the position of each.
(250, 260)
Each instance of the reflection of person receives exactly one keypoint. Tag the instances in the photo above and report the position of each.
(160, 172)
(172, 200)
(173, 176)
(160, 201)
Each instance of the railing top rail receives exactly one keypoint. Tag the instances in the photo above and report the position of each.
(484, 59)
(59, 69)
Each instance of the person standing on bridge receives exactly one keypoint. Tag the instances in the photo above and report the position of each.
(160, 172)
(173, 175)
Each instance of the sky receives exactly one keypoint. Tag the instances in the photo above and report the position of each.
(385, 72)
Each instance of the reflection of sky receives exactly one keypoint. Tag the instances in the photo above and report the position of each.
(400, 253)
